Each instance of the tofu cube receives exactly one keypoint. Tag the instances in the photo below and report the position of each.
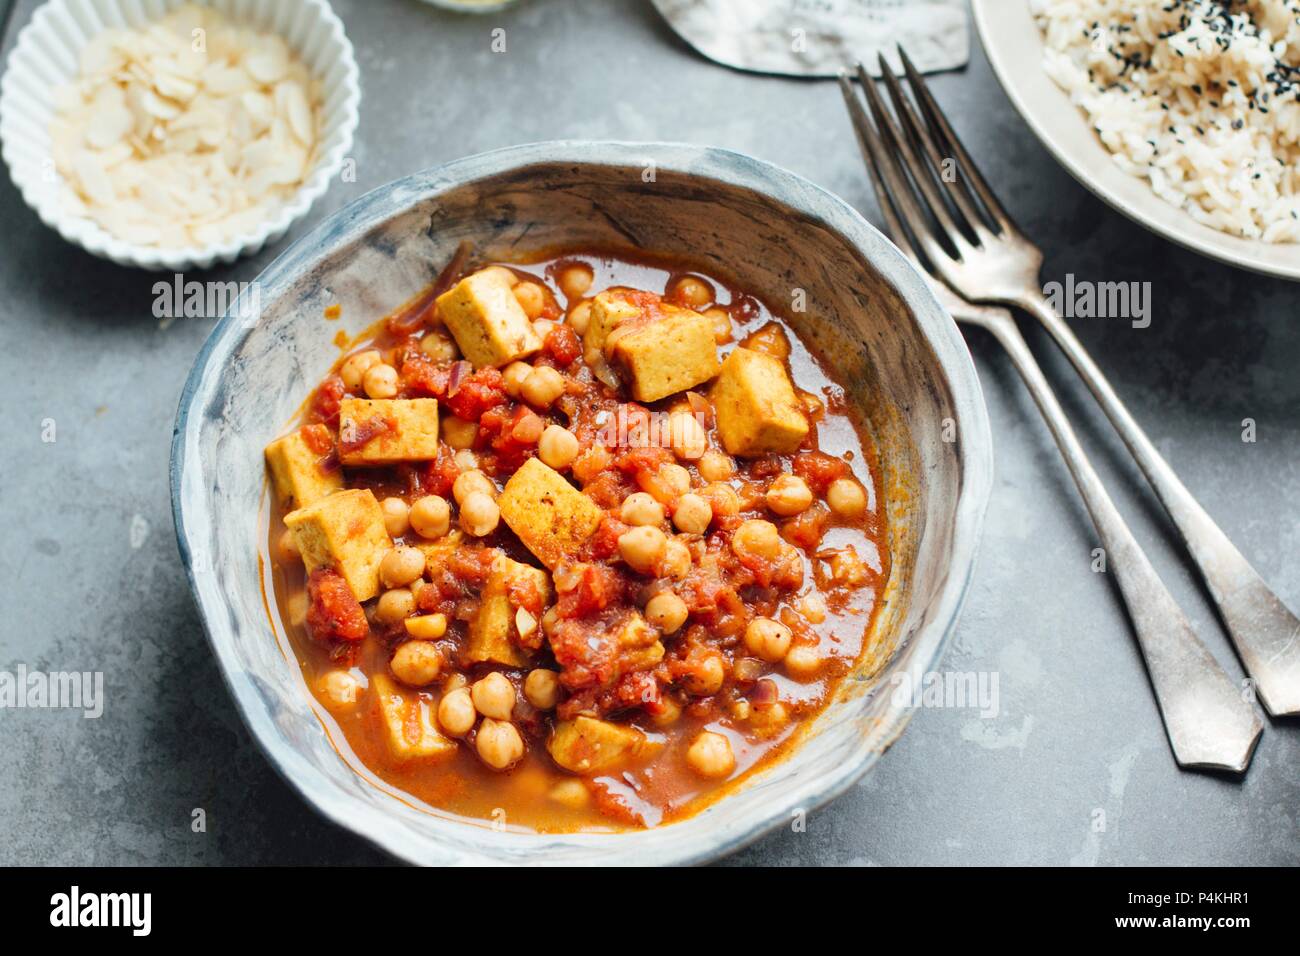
(669, 354)
(756, 407)
(551, 517)
(387, 430)
(297, 473)
(486, 319)
(586, 745)
(608, 310)
(409, 722)
(437, 552)
(491, 626)
(345, 532)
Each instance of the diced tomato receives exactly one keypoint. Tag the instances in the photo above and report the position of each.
(604, 542)
(438, 476)
(318, 438)
(422, 376)
(806, 530)
(819, 470)
(598, 587)
(562, 344)
(333, 612)
(483, 390)
(325, 402)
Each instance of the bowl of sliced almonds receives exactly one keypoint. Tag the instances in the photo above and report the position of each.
(181, 136)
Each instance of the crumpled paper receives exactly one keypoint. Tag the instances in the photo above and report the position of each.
(822, 37)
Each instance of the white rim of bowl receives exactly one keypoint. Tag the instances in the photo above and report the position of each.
(98, 241)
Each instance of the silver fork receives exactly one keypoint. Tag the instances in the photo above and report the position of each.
(1209, 722)
(1001, 265)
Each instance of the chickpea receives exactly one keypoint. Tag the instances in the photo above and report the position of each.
(557, 447)
(666, 611)
(459, 433)
(692, 514)
(668, 713)
(723, 499)
(677, 560)
(354, 368)
(439, 347)
(643, 548)
(770, 339)
(430, 516)
(769, 721)
(689, 440)
(756, 538)
(469, 482)
(543, 328)
(721, 320)
(456, 713)
(580, 317)
(813, 608)
(380, 381)
(542, 386)
(498, 743)
(286, 548)
(640, 508)
(575, 280)
(295, 607)
(692, 292)
(465, 460)
(677, 478)
(708, 679)
(397, 516)
(510, 278)
(338, 689)
(803, 662)
(789, 495)
(514, 374)
(542, 689)
(846, 498)
(768, 639)
(572, 794)
(813, 406)
(531, 298)
(494, 696)
(427, 627)
(710, 755)
(479, 515)
(395, 605)
(416, 663)
(715, 466)
(400, 566)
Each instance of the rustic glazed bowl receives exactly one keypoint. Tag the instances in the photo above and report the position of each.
(872, 318)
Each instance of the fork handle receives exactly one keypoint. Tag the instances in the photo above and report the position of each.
(1264, 631)
(1209, 722)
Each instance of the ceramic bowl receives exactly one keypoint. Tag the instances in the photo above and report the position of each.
(46, 55)
(907, 371)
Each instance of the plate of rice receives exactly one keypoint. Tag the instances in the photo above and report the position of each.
(1182, 114)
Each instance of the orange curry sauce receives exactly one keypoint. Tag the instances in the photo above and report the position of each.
(824, 588)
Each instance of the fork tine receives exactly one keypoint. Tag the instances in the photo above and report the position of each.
(919, 133)
(896, 188)
(940, 123)
(912, 163)
(865, 134)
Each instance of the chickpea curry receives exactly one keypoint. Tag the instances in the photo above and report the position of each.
(575, 543)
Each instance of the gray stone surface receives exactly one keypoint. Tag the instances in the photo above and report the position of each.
(1073, 770)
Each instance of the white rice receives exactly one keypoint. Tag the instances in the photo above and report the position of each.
(1198, 97)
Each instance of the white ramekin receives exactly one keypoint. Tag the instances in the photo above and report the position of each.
(46, 57)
